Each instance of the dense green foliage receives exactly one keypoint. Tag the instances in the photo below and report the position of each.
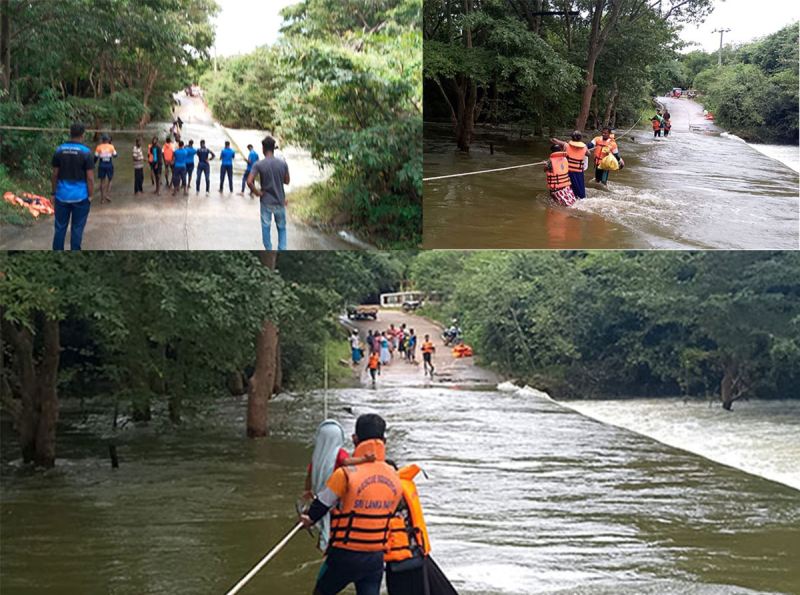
(167, 328)
(503, 61)
(104, 62)
(344, 82)
(628, 323)
(755, 92)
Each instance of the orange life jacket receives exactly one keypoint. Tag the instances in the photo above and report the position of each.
(599, 145)
(374, 361)
(408, 536)
(667, 124)
(656, 124)
(150, 153)
(559, 177)
(575, 153)
(105, 152)
(361, 523)
(427, 347)
(167, 150)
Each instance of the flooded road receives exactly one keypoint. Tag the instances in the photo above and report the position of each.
(698, 188)
(201, 221)
(523, 496)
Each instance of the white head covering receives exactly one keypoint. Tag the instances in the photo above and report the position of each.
(329, 439)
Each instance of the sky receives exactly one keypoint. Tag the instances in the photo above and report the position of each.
(244, 25)
(747, 19)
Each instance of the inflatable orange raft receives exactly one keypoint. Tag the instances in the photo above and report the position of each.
(35, 204)
(462, 350)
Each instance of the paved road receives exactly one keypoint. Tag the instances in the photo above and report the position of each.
(201, 221)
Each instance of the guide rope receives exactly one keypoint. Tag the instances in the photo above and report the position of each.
(485, 171)
(264, 560)
(29, 128)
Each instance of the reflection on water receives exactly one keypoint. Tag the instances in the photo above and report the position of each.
(523, 496)
(694, 189)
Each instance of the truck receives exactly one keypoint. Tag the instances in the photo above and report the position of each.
(362, 312)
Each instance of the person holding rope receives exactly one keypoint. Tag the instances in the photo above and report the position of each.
(362, 500)
(577, 154)
(604, 145)
(558, 181)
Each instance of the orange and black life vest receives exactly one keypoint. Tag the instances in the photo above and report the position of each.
(667, 124)
(427, 347)
(600, 144)
(559, 176)
(150, 153)
(656, 124)
(361, 523)
(576, 151)
(408, 534)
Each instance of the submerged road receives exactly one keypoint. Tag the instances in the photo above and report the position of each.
(213, 221)
(698, 188)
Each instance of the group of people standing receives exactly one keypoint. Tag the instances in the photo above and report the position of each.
(568, 161)
(661, 123)
(382, 346)
(73, 179)
(369, 516)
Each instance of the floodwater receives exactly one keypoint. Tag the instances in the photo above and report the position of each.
(698, 188)
(523, 495)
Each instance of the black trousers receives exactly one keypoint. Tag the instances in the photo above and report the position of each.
(138, 179)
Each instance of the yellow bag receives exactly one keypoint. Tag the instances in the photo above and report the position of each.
(609, 163)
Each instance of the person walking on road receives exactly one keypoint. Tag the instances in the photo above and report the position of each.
(273, 174)
(105, 152)
(204, 156)
(190, 153)
(386, 356)
(355, 347)
(361, 499)
(73, 186)
(156, 163)
(411, 352)
(252, 159)
(427, 354)
(169, 172)
(138, 167)
(179, 168)
(226, 156)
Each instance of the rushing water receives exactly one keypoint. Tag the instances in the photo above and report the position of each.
(694, 189)
(524, 496)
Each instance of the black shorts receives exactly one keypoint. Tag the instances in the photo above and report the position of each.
(343, 567)
(426, 357)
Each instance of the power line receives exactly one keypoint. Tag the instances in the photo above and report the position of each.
(720, 31)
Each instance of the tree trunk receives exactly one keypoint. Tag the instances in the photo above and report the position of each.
(5, 44)
(262, 383)
(175, 408)
(726, 389)
(467, 98)
(611, 102)
(235, 382)
(38, 413)
(140, 408)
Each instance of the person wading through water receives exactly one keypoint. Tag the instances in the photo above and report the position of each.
(427, 355)
(604, 144)
(557, 171)
(576, 160)
(410, 570)
(361, 499)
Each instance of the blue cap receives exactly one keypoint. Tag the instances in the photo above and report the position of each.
(106, 138)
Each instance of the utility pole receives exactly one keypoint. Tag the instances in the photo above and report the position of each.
(720, 31)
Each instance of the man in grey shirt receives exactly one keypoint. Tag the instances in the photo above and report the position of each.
(273, 174)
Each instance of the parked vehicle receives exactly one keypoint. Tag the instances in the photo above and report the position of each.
(362, 312)
(411, 305)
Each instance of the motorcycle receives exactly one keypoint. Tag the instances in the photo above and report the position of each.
(451, 336)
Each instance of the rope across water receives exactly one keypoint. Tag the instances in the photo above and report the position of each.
(485, 171)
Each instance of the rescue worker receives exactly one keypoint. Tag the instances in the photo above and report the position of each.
(558, 180)
(362, 500)
(374, 366)
(667, 127)
(599, 143)
(427, 355)
(410, 570)
(168, 149)
(577, 154)
(656, 127)
(105, 152)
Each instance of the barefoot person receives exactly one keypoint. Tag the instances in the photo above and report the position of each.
(361, 499)
(179, 167)
(138, 167)
(603, 145)
(168, 150)
(105, 152)
(190, 153)
(427, 355)
(73, 186)
(204, 157)
(273, 174)
(156, 163)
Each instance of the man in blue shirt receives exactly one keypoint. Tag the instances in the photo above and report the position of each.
(179, 169)
(252, 158)
(190, 153)
(73, 186)
(204, 155)
(226, 155)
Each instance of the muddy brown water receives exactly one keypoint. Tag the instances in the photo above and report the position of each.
(698, 188)
(523, 495)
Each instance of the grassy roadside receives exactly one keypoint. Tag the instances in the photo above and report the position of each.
(12, 214)
(340, 376)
